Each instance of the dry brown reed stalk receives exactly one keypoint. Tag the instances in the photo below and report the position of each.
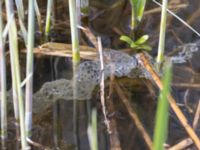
(176, 36)
(185, 100)
(133, 116)
(182, 145)
(170, 7)
(187, 85)
(38, 145)
(145, 62)
(102, 86)
(90, 36)
(188, 141)
(193, 17)
(64, 50)
(196, 117)
(114, 136)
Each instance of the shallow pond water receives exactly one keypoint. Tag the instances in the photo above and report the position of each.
(54, 127)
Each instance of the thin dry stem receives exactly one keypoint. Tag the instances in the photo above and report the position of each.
(186, 85)
(102, 86)
(134, 116)
(182, 145)
(114, 136)
(64, 50)
(196, 117)
(170, 7)
(90, 36)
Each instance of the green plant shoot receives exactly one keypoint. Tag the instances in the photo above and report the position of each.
(161, 126)
(139, 44)
(137, 10)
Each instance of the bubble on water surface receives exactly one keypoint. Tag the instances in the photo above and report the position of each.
(87, 76)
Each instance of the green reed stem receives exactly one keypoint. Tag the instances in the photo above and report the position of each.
(13, 45)
(29, 68)
(161, 126)
(140, 9)
(74, 31)
(48, 19)
(3, 85)
(161, 46)
(75, 60)
(133, 16)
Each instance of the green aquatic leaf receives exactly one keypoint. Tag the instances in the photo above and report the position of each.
(140, 9)
(126, 39)
(145, 47)
(133, 45)
(139, 44)
(142, 40)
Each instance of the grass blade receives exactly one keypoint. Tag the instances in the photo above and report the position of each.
(160, 132)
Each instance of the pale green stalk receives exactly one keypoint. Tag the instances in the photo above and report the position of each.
(20, 12)
(75, 60)
(29, 68)
(3, 92)
(57, 131)
(13, 45)
(6, 28)
(15, 101)
(133, 20)
(48, 19)
(38, 15)
(20, 8)
(92, 131)
(140, 9)
(161, 45)
(160, 132)
(14, 86)
(78, 11)
(161, 126)
(53, 17)
(74, 31)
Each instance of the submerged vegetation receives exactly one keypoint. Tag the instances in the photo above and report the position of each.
(105, 96)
